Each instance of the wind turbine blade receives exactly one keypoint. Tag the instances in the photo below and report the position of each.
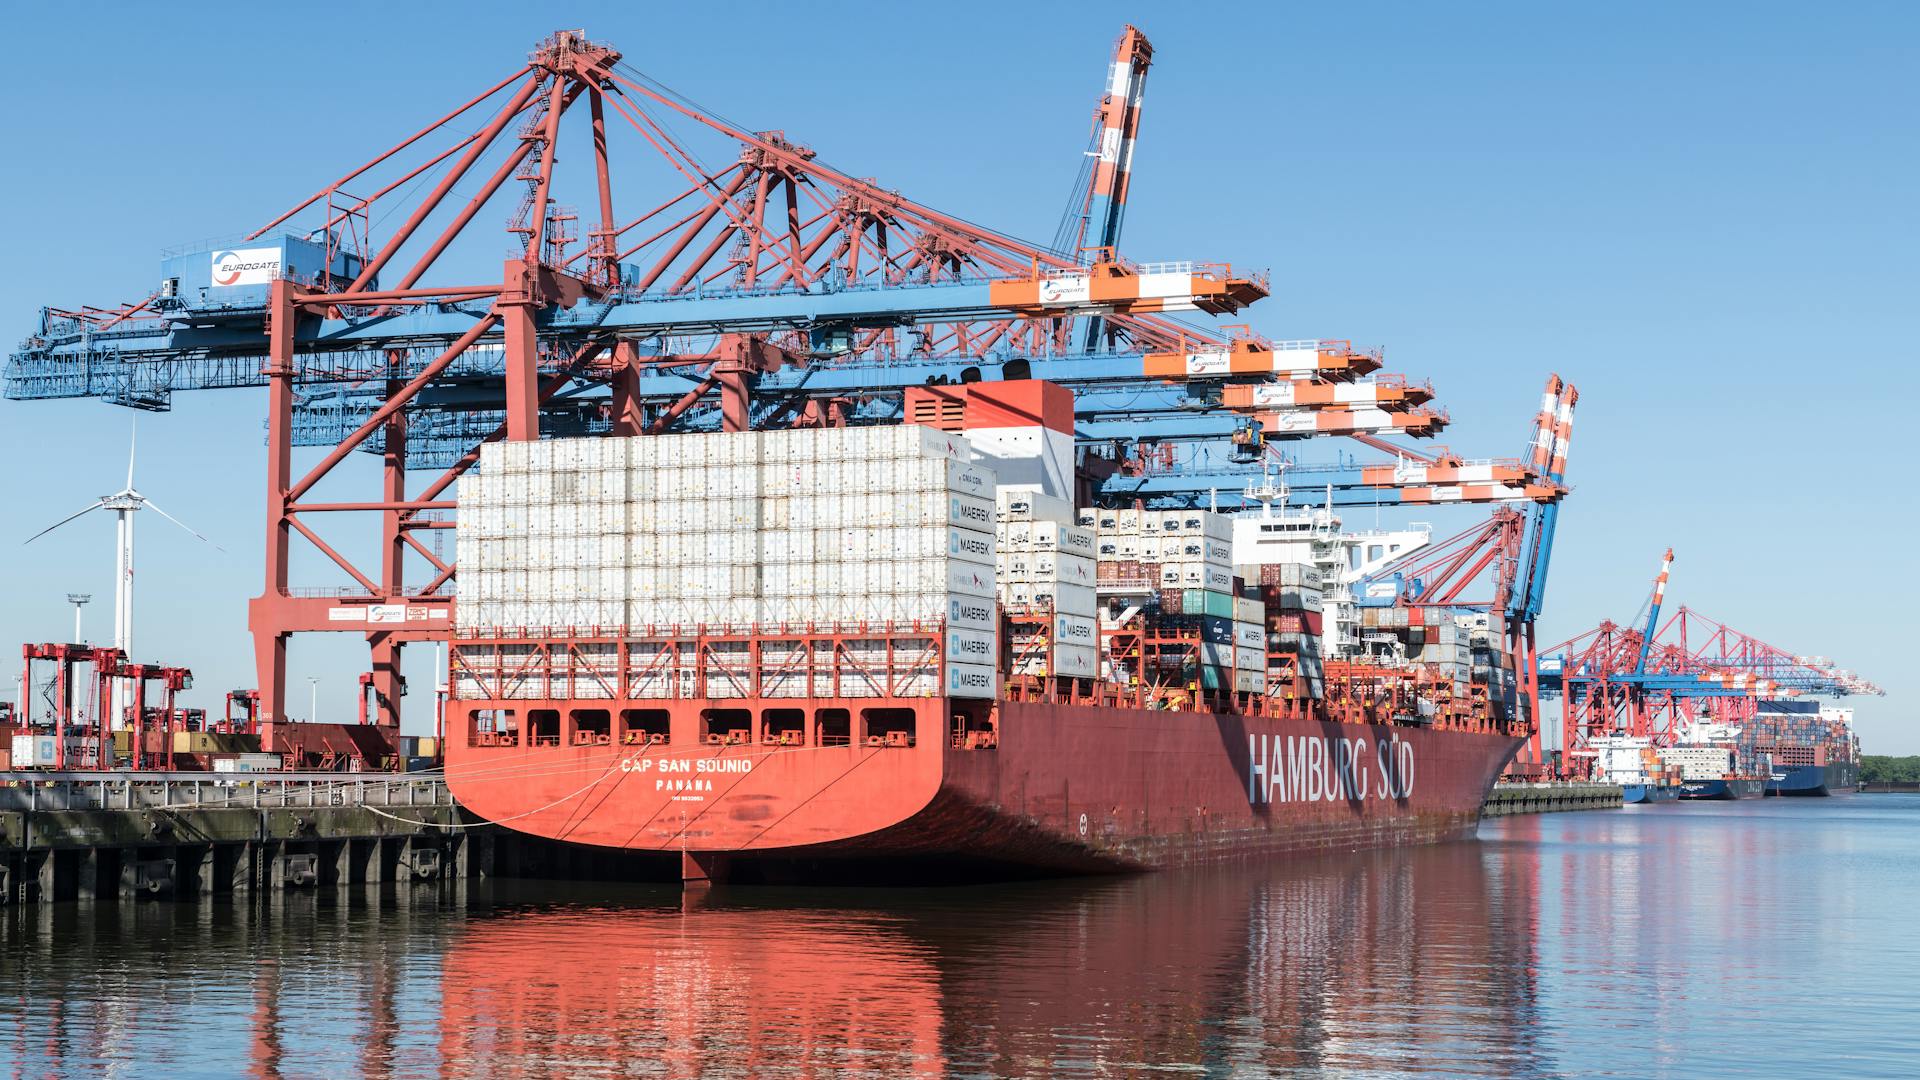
(150, 506)
(61, 522)
(133, 443)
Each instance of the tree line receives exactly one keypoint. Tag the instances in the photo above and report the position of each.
(1883, 768)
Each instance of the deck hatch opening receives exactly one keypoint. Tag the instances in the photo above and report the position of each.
(834, 727)
(639, 727)
(543, 727)
(726, 727)
(784, 727)
(888, 727)
(592, 727)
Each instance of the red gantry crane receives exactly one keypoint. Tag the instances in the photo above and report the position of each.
(760, 287)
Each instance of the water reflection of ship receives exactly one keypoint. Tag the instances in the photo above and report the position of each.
(1321, 963)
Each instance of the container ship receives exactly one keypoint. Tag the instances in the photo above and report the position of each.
(1632, 762)
(1812, 748)
(1716, 761)
(767, 649)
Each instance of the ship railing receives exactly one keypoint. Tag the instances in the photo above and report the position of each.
(692, 631)
(37, 791)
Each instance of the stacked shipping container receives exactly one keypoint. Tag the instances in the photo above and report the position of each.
(1046, 569)
(762, 532)
(1178, 566)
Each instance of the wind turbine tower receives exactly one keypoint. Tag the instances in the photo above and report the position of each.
(124, 504)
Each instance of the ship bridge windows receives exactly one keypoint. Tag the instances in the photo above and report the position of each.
(833, 727)
(784, 727)
(592, 727)
(642, 726)
(726, 727)
(887, 727)
(543, 727)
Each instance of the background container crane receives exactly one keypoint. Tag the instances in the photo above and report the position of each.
(1656, 679)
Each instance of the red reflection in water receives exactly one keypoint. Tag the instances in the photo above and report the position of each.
(754, 991)
(1309, 967)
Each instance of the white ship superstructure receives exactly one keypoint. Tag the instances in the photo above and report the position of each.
(1277, 533)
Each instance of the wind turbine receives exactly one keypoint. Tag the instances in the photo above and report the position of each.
(124, 504)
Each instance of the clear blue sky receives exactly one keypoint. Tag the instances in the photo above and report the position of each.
(1702, 214)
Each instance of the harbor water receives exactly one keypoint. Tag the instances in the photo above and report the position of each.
(1774, 937)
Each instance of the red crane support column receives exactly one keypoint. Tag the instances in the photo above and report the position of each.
(516, 307)
(63, 704)
(105, 661)
(627, 416)
(393, 548)
(267, 614)
(139, 715)
(172, 685)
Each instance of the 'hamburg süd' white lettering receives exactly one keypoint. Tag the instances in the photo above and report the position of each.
(1307, 768)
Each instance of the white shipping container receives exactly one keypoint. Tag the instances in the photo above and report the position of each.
(1249, 682)
(970, 612)
(731, 547)
(1072, 599)
(504, 456)
(918, 440)
(967, 545)
(1059, 566)
(780, 447)
(786, 545)
(972, 681)
(961, 478)
(33, 751)
(969, 579)
(1079, 631)
(1250, 636)
(1076, 661)
(971, 646)
(1250, 659)
(1020, 504)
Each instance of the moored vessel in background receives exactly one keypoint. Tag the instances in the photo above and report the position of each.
(1715, 761)
(1812, 747)
(1631, 762)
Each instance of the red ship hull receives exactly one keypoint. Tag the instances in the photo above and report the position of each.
(1069, 787)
